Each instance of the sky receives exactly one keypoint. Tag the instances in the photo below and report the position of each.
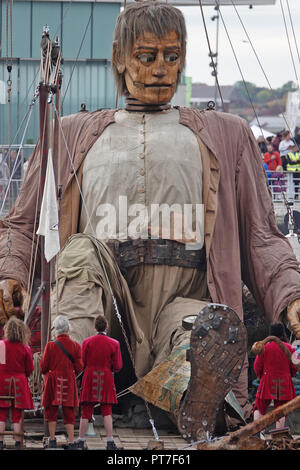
(265, 28)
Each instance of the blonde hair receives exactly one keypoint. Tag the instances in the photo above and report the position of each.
(16, 331)
(147, 16)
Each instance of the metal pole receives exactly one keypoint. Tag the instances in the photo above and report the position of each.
(45, 267)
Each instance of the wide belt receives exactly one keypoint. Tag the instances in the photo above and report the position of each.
(156, 251)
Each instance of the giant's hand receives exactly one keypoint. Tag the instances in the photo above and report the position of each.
(12, 299)
(293, 317)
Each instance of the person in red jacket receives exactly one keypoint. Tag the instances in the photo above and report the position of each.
(272, 158)
(101, 357)
(60, 362)
(16, 365)
(275, 371)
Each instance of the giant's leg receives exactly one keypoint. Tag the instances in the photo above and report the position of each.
(194, 391)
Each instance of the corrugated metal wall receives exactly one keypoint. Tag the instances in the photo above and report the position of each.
(85, 30)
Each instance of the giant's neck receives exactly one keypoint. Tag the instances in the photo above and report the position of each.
(132, 104)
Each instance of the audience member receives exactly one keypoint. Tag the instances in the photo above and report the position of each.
(262, 144)
(60, 362)
(101, 357)
(16, 365)
(275, 371)
(272, 158)
(285, 147)
(293, 165)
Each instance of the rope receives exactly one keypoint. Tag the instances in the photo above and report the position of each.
(238, 64)
(76, 60)
(261, 66)
(289, 44)
(210, 53)
(36, 379)
(292, 25)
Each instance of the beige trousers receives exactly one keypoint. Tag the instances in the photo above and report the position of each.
(159, 297)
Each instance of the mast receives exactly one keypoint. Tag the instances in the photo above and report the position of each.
(51, 57)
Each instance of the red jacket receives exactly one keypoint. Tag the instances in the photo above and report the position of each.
(17, 366)
(60, 380)
(101, 357)
(272, 164)
(275, 371)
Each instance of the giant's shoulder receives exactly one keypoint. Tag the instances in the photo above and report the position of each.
(215, 118)
(84, 117)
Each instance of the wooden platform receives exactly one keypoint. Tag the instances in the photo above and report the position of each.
(126, 438)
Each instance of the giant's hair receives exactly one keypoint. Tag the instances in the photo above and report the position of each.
(146, 16)
(16, 331)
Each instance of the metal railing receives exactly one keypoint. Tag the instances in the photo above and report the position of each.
(284, 184)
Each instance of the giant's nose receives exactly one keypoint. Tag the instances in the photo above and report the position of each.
(159, 66)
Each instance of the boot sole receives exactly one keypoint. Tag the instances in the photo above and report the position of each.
(217, 352)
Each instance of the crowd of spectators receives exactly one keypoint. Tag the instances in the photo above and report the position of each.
(281, 153)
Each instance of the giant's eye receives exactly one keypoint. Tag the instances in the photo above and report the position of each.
(146, 57)
(171, 56)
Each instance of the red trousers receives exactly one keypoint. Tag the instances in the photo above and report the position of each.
(87, 410)
(16, 414)
(68, 413)
(261, 404)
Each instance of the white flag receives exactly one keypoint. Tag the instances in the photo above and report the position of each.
(48, 225)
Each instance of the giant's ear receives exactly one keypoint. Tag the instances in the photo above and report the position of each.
(118, 62)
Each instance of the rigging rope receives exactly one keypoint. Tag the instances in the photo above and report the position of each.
(292, 25)
(288, 39)
(238, 64)
(210, 53)
(260, 64)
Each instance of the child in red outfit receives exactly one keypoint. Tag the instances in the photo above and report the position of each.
(275, 371)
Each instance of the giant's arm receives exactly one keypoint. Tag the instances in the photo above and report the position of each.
(269, 266)
(18, 241)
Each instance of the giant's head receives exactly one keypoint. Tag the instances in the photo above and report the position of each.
(149, 51)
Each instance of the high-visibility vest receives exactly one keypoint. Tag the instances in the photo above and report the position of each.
(293, 161)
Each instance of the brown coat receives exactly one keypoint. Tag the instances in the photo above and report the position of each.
(241, 235)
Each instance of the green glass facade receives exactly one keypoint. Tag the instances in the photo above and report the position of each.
(85, 30)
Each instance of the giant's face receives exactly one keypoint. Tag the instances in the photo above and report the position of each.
(151, 70)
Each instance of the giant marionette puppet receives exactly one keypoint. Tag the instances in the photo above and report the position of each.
(117, 167)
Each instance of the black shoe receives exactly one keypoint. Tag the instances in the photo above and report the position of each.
(2, 446)
(81, 445)
(52, 444)
(18, 445)
(71, 446)
(111, 446)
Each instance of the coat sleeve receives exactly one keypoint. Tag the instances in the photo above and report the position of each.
(295, 357)
(44, 364)
(117, 359)
(78, 363)
(269, 267)
(83, 352)
(29, 367)
(259, 365)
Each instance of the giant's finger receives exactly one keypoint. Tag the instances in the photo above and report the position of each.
(293, 317)
(3, 316)
(7, 286)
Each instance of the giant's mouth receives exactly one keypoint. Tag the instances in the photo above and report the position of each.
(159, 85)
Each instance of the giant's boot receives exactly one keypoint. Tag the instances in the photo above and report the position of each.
(194, 381)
